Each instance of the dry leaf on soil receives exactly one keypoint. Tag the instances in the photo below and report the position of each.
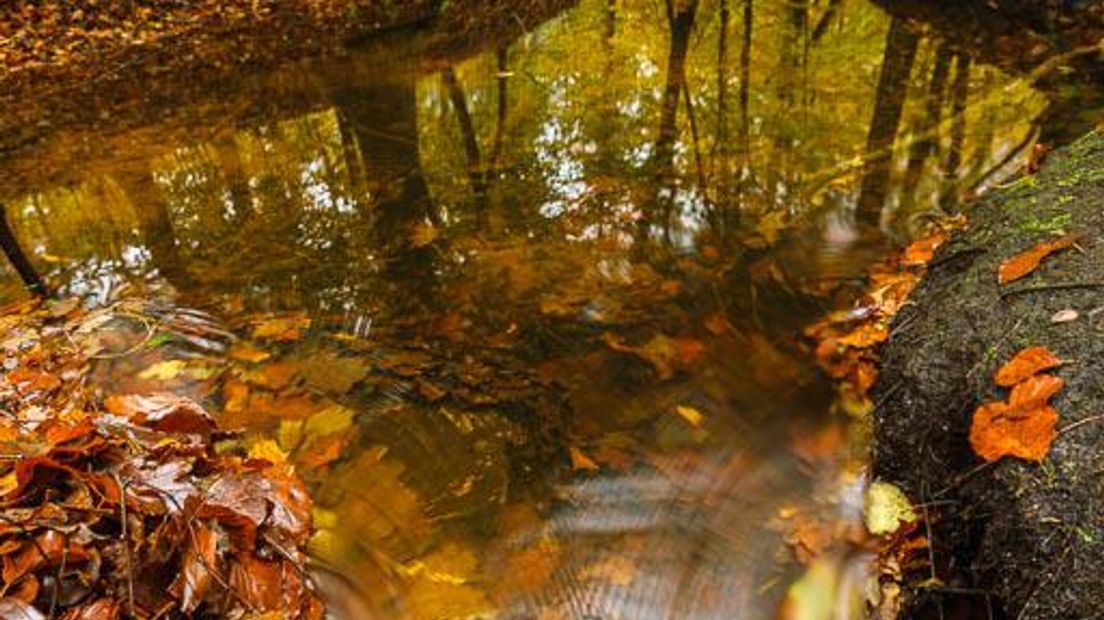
(1022, 264)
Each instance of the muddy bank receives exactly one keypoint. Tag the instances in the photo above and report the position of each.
(1022, 537)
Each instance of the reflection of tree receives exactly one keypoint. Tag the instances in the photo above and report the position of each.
(17, 258)
(927, 128)
(476, 173)
(680, 19)
(889, 99)
(948, 194)
(381, 118)
(155, 226)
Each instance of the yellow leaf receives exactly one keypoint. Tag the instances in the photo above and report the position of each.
(8, 483)
(245, 352)
(691, 415)
(163, 371)
(290, 434)
(885, 508)
(330, 420)
(268, 450)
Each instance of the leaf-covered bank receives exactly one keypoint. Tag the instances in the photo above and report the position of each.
(1019, 536)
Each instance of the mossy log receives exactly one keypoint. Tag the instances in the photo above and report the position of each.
(1024, 537)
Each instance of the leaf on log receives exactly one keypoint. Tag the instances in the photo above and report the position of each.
(1022, 264)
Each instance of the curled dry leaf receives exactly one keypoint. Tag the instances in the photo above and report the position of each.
(1022, 264)
(1026, 363)
(1064, 316)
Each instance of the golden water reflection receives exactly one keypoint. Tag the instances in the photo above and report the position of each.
(544, 297)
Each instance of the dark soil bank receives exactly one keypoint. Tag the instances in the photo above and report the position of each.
(1028, 537)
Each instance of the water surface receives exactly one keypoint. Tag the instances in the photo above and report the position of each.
(525, 306)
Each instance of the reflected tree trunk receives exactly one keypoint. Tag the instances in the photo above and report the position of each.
(502, 63)
(18, 259)
(900, 53)
(960, 90)
(722, 152)
(745, 90)
(927, 130)
(680, 18)
(825, 21)
(155, 224)
(476, 174)
(381, 117)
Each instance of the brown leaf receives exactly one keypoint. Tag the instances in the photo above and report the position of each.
(1022, 264)
(283, 328)
(999, 430)
(162, 411)
(258, 583)
(100, 609)
(1026, 363)
(15, 609)
(199, 561)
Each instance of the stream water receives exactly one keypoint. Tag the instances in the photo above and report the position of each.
(525, 307)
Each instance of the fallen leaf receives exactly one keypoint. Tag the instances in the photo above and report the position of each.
(245, 352)
(580, 461)
(332, 373)
(999, 430)
(1064, 316)
(1024, 364)
(1034, 391)
(920, 252)
(1022, 264)
(163, 371)
(886, 508)
(267, 450)
(15, 609)
(865, 336)
(691, 415)
(162, 411)
(282, 329)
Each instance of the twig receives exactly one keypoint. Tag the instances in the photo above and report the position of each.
(126, 544)
(1073, 425)
(1060, 286)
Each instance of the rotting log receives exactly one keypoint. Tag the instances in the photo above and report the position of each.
(1026, 536)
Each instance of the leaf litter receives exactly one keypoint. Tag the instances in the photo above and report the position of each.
(127, 507)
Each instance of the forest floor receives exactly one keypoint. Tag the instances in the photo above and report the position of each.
(47, 42)
(1012, 494)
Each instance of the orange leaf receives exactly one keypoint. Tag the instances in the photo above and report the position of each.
(1034, 391)
(865, 336)
(1020, 265)
(921, 252)
(999, 430)
(1027, 363)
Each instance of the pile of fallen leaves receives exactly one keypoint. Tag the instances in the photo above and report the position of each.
(845, 341)
(123, 507)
